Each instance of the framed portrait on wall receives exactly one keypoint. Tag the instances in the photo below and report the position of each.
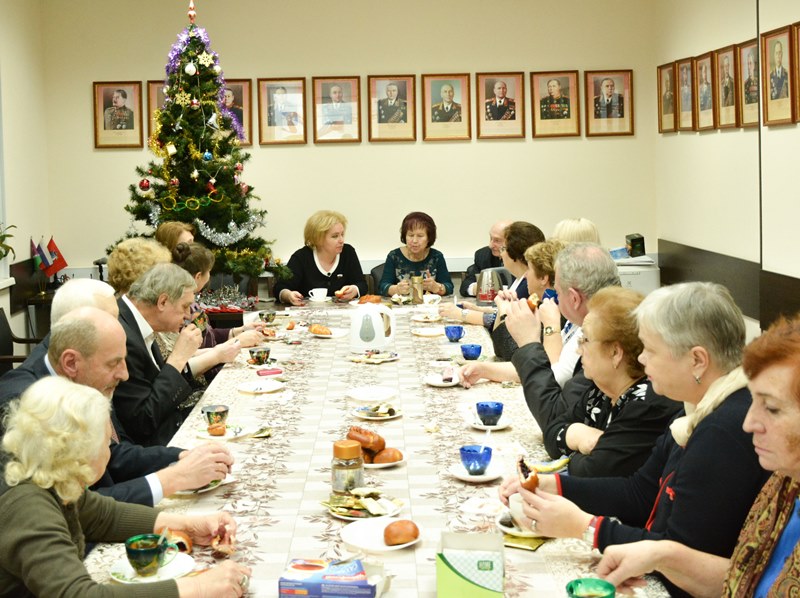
(666, 98)
(748, 82)
(796, 60)
(236, 99)
(445, 107)
(117, 113)
(155, 101)
(337, 109)
(500, 98)
(777, 68)
(725, 79)
(392, 107)
(685, 95)
(555, 104)
(704, 91)
(609, 102)
(281, 111)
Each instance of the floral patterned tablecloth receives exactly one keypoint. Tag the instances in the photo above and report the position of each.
(281, 480)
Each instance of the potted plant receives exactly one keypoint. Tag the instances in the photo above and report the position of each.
(5, 248)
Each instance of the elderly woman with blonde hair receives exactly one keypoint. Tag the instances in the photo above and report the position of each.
(131, 258)
(576, 230)
(56, 444)
(325, 261)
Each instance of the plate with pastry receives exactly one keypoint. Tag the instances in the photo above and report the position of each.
(426, 318)
(231, 432)
(445, 379)
(381, 535)
(375, 357)
(387, 457)
(379, 412)
(384, 465)
(321, 331)
(371, 394)
(363, 503)
(259, 387)
(181, 565)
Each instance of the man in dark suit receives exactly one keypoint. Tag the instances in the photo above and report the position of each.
(501, 107)
(485, 257)
(446, 111)
(778, 77)
(392, 108)
(609, 104)
(87, 346)
(152, 402)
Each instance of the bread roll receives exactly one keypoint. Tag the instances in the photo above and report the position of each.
(367, 439)
(400, 532)
(388, 455)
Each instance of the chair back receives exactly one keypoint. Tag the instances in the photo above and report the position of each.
(6, 344)
(375, 276)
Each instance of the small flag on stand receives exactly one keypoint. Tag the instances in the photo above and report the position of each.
(44, 255)
(57, 261)
(37, 259)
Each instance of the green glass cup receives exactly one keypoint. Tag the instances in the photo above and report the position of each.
(147, 556)
(590, 587)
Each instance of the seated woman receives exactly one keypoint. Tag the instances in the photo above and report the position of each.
(56, 444)
(693, 335)
(131, 258)
(416, 258)
(612, 429)
(766, 561)
(170, 233)
(576, 230)
(325, 261)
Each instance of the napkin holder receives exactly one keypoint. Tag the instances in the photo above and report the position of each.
(325, 579)
(470, 565)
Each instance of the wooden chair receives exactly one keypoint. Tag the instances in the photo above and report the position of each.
(7, 341)
(375, 276)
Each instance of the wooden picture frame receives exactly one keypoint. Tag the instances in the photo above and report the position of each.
(556, 104)
(392, 107)
(748, 83)
(704, 92)
(609, 102)
(337, 109)
(237, 98)
(281, 111)
(685, 104)
(446, 115)
(117, 114)
(155, 101)
(796, 57)
(667, 107)
(777, 84)
(500, 98)
(726, 102)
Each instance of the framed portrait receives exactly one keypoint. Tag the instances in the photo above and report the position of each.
(392, 107)
(337, 109)
(748, 82)
(777, 67)
(685, 95)
(237, 96)
(796, 58)
(155, 101)
(555, 104)
(117, 113)
(445, 107)
(500, 98)
(609, 102)
(727, 99)
(281, 111)
(704, 91)
(667, 122)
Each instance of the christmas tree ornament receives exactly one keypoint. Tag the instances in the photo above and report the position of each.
(165, 89)
(190, 69)
(144, 184)
(194, 174)
(239, 167)
(207, 156)
(212, 181)
(245, 188)
(217, 69)
(191, 14)
(174, 182)
(171, 149)
(182, 99)
(206, 59)
(194, 104)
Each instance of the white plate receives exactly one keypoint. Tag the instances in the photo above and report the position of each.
(391, 512)
(514, 531)
(384, 465)
(323, 300)
(504, 422)
(375, 358)
(371, 394)
(335, 333)
(260, 387)
(367, 535)
(122, 572)
(457, 470)
(425, 318)
(279, 335)
(376, 418)
(229, 435)
(436, 380)
(229, 479)
(429, 332)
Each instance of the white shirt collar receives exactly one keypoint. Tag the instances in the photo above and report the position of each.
(323, 270)
(147, 332)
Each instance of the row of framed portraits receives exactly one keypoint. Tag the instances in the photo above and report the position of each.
(724, 88)
(445, 109)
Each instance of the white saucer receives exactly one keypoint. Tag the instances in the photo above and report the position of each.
(360, 414)
(335, 333)
(371, 394)
(436, 380)
(514, 531)
(428, 332)
(323, 300)
(229, 435)
(367, 535)
(504, 422)
(229, 479)
(425, 318)
(258, 387)
(384, 465)
(457, 470)
(122, 572)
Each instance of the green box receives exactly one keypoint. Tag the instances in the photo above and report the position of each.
(470, 566)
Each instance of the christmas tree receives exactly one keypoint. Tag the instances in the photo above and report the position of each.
(197, 175)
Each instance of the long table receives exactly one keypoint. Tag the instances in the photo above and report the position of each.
(281, 480)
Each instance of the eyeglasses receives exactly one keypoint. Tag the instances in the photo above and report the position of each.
(502, 249)
(585, 339)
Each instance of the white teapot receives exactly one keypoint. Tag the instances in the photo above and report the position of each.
(371, 328)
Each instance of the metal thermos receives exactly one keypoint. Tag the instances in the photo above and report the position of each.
(416, 289)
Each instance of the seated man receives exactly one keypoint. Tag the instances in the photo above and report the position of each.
(485, 257)
(152, 402)
(87, 346)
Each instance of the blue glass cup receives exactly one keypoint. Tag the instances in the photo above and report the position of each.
(489, 412)
(454, 333)
(471, 351)
(476, 458)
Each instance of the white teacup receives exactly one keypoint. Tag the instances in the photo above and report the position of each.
(431, 299)
(319, 293)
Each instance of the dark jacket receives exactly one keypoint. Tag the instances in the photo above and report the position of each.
(306, 275)
(483, 260)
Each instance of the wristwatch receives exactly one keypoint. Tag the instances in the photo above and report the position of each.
(550, 330)
(464, 313)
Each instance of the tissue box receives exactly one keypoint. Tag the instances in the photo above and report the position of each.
(470, 565)
(635, 244)
(317, 578)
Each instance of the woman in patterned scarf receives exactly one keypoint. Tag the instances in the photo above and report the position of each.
(766, 561)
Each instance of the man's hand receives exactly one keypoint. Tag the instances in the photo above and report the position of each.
(196, 468)
(523, 324)
(189, 341)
